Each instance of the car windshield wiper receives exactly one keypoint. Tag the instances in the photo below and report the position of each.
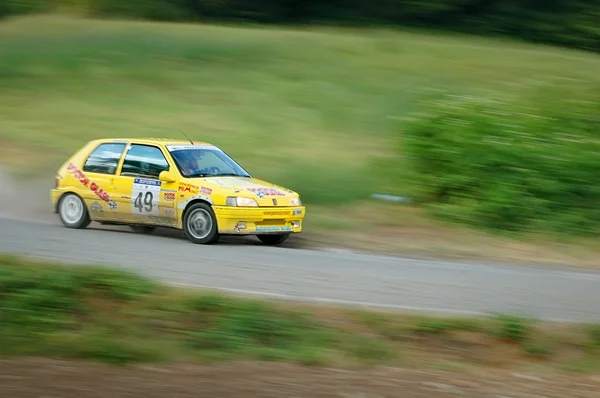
(194, 175)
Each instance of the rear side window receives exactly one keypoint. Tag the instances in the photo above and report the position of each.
(144, 161)
(104, 159)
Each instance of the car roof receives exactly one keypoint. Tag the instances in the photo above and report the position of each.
(155, 141)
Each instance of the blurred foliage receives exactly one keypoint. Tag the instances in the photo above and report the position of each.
(113, 316)
(441, 326)
(511, 163)
(574, 23)
(39, 298)
(595, 333)
(512, 328)
(538, 349)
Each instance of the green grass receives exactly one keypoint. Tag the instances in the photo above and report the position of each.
(110, 315)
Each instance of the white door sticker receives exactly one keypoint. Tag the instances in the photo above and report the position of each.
(144, 197)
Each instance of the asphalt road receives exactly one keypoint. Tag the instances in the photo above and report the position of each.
(27, 226)
(321, 276)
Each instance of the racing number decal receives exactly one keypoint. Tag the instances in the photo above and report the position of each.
(144, 197)
(144, 204)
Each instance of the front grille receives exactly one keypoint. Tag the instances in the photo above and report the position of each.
(270, 222)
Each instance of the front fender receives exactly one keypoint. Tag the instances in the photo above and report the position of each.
(182, 206)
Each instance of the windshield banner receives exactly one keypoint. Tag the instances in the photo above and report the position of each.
(173, 148)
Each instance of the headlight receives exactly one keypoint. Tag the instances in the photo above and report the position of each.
(241, 202)
(295, 202)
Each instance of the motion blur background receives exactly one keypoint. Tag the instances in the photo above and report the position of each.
(483, 113)
(443, 102)
(484, 131)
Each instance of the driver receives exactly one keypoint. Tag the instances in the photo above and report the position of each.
(190, 163)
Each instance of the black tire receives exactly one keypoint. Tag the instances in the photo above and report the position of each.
(142, 229)
(74, 221)
(198, 211)
(273, 239)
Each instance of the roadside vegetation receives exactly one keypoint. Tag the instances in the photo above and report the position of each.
(110, 315)
(571, 24)
(495, 135)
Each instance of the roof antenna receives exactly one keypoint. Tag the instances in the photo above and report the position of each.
(192, 142)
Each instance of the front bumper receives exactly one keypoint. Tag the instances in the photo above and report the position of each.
(259, 220)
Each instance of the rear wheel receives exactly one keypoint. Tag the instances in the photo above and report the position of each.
(274, 239)
(142, 229)
(72, 212)
(200, 224)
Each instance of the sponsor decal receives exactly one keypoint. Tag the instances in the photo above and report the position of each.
(78, 174)
(96, 207)
(262, 192)
(273, 229)
(143, 181)
(169, 213)
(95, 188)
(170, 196)
(185, 187)
(276, 213)
(205, 190)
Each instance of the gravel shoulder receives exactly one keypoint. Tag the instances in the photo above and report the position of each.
(49, 378)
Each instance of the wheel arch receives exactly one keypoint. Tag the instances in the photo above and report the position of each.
(62, 195)
(192, 201)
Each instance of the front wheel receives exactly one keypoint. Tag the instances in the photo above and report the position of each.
(200, 224)
(72, 212)
(274, 239)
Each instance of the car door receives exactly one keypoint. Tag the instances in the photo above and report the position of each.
(143, 198)
(98, 180)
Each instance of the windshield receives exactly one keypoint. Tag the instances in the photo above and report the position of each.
(204, 161)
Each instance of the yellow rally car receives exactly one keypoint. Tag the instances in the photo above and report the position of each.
(149, 183)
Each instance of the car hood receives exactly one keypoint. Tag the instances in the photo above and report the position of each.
(265, 193)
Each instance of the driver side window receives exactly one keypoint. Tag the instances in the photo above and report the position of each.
(144, 161)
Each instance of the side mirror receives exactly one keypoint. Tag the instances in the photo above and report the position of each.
(167, 176)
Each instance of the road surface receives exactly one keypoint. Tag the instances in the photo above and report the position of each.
(321, 276)
(27, 226)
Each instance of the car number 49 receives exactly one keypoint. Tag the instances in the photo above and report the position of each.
(145, 197)
(143, 202)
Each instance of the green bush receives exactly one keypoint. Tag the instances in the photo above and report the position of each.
(511, 328)
(510, 163)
